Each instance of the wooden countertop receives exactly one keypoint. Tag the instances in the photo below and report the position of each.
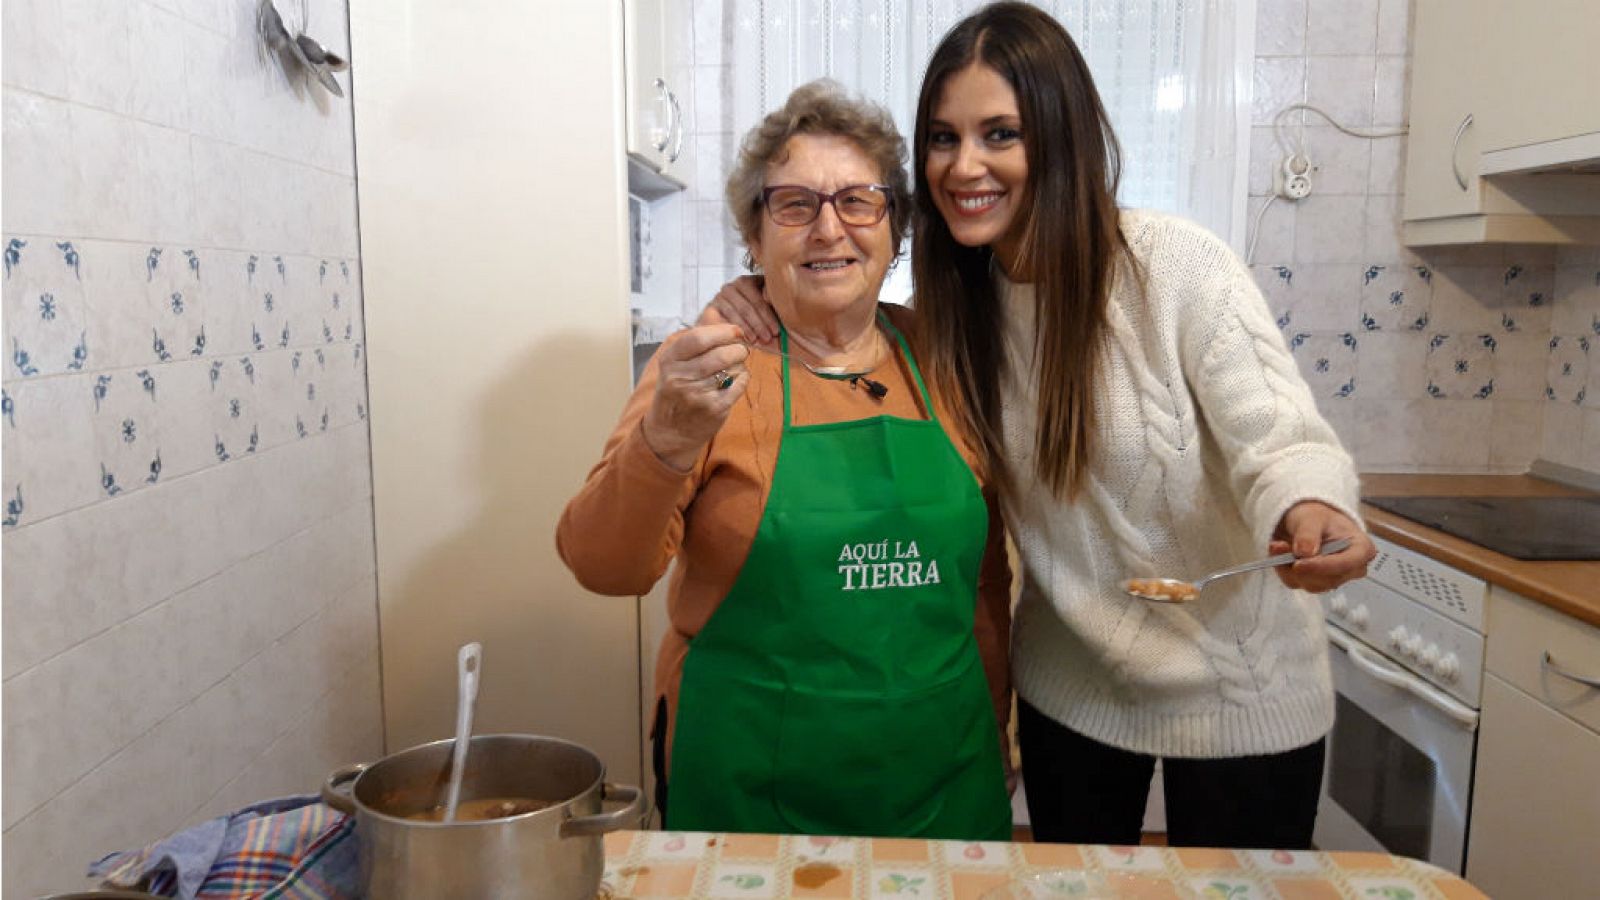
(1570, 587)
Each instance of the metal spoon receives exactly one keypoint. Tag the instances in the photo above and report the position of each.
(322, 56)
(824, 371)
(318, 70)
(468, 661)
(1172, 590)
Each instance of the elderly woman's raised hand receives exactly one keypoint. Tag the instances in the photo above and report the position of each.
(702, 375)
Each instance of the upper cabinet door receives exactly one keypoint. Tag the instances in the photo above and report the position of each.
(1446, 110)
(655, 107)
(1504, 142)
(1548, 87)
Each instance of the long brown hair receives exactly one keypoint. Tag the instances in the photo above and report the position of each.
(1068, 237)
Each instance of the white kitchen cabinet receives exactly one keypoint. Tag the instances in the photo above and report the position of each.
(1523, 633)
(1504, 135)
(1544, 90)
(1535, 826)
(654, 107)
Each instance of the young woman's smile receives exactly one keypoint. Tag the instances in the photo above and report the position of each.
(977, 164)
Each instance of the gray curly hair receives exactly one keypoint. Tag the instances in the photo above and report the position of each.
(819, 107)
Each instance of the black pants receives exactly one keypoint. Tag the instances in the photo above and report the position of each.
(1081, 791)
(658, 758)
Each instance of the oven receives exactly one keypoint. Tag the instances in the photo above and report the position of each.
(1406, 648)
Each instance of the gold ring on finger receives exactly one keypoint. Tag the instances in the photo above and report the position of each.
(722, 379)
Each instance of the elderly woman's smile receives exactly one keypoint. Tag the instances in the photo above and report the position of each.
(826, 268)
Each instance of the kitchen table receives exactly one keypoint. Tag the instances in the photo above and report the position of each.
(667, 864)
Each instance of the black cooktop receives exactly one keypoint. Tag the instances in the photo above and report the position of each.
(1536, 528)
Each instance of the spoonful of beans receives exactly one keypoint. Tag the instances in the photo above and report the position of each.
(1172, 590)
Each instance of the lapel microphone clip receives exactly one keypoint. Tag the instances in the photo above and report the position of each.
(876, 388)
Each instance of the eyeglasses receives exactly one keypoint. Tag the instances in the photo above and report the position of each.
(857, 204)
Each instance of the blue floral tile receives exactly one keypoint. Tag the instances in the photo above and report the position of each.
(1327, 362)
(128, 430)
(45, 314)
(1526, 299)
(1277, 287)
(174, 289)
(1567, 369)
(1396, 297)
(228, 304)
(1460, 366)
(272, 300)
(279, 396)
(47, 441)
(10, 482)
(346, 303)
(312, 395)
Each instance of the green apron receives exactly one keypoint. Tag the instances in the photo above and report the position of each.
(838, 688)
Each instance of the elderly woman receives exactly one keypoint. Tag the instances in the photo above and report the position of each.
(836, 661)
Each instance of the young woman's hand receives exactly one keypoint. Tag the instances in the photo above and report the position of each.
(702, 375)
(1304, 529)
(743, 302)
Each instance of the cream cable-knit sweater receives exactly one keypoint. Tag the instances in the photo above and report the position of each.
(1207, 434)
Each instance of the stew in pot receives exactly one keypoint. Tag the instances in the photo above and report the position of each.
(483, 809)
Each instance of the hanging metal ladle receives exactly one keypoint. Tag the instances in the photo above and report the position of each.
(306, 51)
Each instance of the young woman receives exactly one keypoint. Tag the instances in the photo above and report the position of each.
(1144, 418)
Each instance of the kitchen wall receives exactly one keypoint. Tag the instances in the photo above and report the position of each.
(189, 598)
(500, 357)
(1464, 358)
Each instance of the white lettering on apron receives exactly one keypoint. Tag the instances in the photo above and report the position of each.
(864, 566)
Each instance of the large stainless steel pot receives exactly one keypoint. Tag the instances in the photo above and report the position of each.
(550, 854)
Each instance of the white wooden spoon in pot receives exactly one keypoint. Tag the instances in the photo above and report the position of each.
(469, 660)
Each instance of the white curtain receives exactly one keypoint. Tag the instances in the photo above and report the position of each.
(1174, 74)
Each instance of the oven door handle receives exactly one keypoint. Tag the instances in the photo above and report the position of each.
(1394, 676)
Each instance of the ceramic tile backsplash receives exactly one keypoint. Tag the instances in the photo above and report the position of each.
(189, 615)
(1341, 27)
(1429, 359)
(713, 251)
(1281, 27)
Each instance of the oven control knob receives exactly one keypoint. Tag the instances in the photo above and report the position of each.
(1430, 655)
(1397, 637)
(1338, 605)
(1448, 667)
(1412, 646)
(1360, 615)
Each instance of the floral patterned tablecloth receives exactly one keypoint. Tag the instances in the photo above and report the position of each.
(665, 864)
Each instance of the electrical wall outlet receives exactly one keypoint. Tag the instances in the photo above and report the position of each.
(1292, 179)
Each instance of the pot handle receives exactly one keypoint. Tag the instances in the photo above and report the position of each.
(638, 807)
(334, 792)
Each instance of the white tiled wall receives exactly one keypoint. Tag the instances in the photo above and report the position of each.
(189, 596)
(712, 251)
(1462, 358)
